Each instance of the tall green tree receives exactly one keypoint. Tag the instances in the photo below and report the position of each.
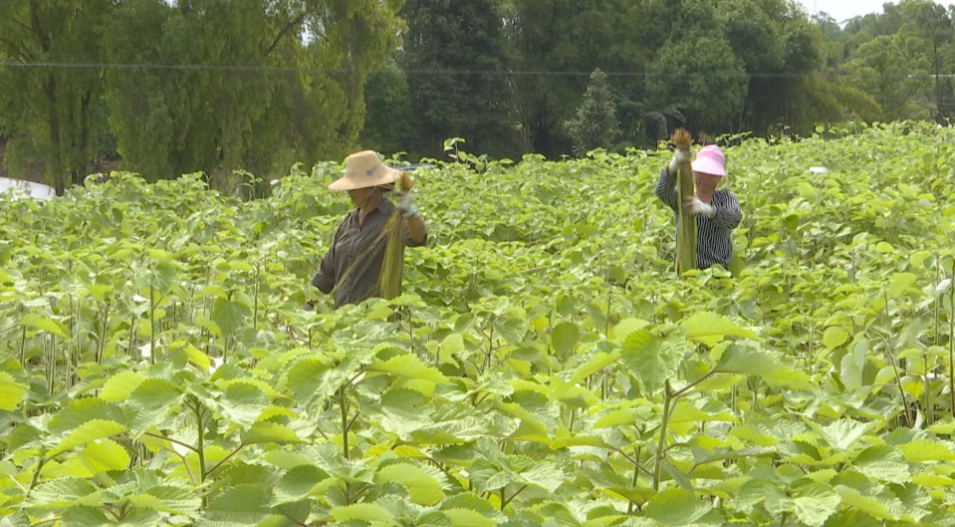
(54, 115)
(556, 37)
(454, 56)
(268, 82)
(595, 125)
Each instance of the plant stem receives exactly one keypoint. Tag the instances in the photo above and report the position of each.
(343, 403)
(661, 445)
(152, 326)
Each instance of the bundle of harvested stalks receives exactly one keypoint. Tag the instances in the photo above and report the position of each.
(392, 268)
(686, 230)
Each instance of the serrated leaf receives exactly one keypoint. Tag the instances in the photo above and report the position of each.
(17, 519)
(172, 500)
(544, 475)
(678, 507)
(926, 450)
(119, 386)
(424, 489)
(746, 361)
(150, 403)
(229, 316)
(163, 275)
(626, 327)
(300, 481)
(243, 403)
(842, 434)
(60, 493)
(200, 359)
(468, 518)
(82, 410)
(238, 506)
(650, 358)
(11, 392)
(32, 320)
(267, 432)
(362, 511)
(710, 328)
(596, 363)
(815, 503)
(870, 506)
(409, 365)
(104, 455)
(900, 283)
(883, 463)
(87, 433)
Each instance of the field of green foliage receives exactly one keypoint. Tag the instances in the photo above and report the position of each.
(544, 368)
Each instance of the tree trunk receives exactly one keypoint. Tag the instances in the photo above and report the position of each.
(56, 161)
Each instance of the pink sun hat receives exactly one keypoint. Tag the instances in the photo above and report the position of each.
(710, 160)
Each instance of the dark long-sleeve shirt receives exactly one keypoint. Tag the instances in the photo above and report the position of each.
(714, 235)
(350, 242)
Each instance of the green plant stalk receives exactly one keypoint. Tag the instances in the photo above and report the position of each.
(152, 325)
(200, 450)
(255, 301)
(343, 403)
(661, 444)
(636, 476)
(686, 237)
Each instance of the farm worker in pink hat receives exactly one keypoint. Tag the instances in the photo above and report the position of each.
(352, 265)
(717, 211)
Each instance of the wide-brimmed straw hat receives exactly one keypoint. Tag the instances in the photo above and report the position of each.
(710, 160)
(365, 169)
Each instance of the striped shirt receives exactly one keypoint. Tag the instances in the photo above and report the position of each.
(714, 235)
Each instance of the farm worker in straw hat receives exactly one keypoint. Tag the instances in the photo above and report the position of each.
(352, 264)
(717, 211)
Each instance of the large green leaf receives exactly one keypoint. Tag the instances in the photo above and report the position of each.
(150, 403)
(596, 363)
(32, 320)
(883, 463)
(268, 432)
(747, 361)
(119, 386)
(650, 358)
(424, 488)
(168, 499)
(63, 492)
(564, 337)
(11, 392)
(245, 505)
(409, 365)
(710, 328)
(230, 316)
(815, 503)
(87, 433)
(362, 511)
(243, 403)
(678, 508)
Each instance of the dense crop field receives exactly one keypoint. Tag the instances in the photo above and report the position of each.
(545, 366)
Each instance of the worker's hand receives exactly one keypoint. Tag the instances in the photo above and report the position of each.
(406, 204)
(695, 206)
(680, 156)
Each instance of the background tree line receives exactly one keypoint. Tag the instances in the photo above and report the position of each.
(166, 87)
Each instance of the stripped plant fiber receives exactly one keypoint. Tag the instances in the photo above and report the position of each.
(686, 228)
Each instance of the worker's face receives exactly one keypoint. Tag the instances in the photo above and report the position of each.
(706, 183)
(360, 196)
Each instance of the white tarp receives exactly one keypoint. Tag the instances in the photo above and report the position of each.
(35, 190)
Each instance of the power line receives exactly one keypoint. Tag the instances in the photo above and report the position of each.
(542, 73)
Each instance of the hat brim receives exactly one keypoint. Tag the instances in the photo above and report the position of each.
(708, 166)
(356, 180)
